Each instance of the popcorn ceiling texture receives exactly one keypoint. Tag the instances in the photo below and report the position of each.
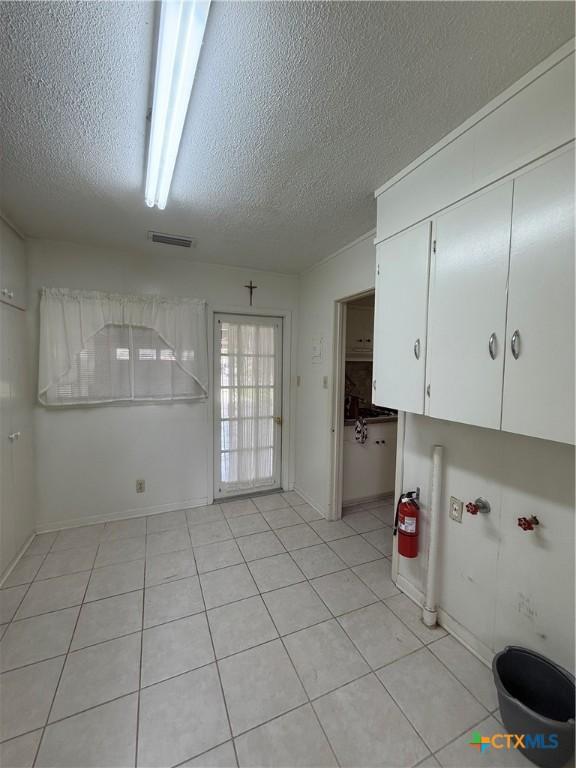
(300, 110)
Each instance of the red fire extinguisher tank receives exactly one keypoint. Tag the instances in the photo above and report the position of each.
(406, 524)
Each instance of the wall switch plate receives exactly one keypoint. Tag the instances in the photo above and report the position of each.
(140, 486)
(455, 510)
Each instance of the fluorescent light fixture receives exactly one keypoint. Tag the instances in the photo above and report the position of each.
(182, 25)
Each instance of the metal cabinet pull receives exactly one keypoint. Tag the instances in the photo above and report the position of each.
(492, 346)
(13, 436)
(8, 293)
(374, 384)
(515, 344)
(428, 390)
(417, 349)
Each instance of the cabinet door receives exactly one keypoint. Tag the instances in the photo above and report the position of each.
(13, 267)
(7, 536)
(16, 523)
(368, 329)
(355, 330)
(468, 309)
(400, 319)
(539, 374)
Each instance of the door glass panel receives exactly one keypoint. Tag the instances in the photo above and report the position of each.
(248, 400)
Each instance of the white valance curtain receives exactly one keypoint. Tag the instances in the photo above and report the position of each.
(88, 331)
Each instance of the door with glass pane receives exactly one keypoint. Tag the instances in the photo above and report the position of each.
(248, 404)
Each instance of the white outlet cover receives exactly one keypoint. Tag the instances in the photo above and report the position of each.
(455, 510)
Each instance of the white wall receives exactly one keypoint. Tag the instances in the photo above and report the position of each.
(344, 274)
(88, 459)
(501, 585)
(498, 584)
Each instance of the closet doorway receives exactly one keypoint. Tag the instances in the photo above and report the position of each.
(247, 404)
(364, 444)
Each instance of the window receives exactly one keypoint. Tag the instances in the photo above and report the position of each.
(120, 361)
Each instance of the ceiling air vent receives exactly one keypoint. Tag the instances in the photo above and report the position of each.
(181, 240)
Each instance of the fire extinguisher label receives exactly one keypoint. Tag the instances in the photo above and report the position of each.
(408, 525)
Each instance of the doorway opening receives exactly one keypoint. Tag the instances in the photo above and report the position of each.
(364, 432)
(247, 404)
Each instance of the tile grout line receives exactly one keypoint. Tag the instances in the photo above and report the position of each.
(260, 594)
(215, 663)
(138, 704)
(295, 672)
(64, 663)
(188, 615)
(28, 587)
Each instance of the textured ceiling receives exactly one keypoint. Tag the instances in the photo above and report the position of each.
(300, 110)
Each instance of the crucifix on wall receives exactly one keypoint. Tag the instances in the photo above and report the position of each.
(251, 288)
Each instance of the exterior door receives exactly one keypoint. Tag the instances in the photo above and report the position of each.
(248, 404)
(400, 319)
(468, 286)
(539, 372)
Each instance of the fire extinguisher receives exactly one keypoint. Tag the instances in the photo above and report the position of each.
(406, 523)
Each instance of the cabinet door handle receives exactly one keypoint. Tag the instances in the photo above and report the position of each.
(515, 344)
(492, 346)
(417, 349)
(13, 436)
(9, 294)
(374, 384)
(428, 390)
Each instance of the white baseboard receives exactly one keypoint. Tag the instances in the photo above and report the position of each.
(449, 623)
(127, 514)
(16, 560)
(482, 652)
(368, 499)
(312, 503)
(410, 590)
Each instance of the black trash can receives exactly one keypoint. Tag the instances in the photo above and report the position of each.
(536, 698)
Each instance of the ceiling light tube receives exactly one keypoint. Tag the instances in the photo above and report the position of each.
(182, 25)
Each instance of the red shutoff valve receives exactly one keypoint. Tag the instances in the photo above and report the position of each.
(528, 523)
(479, 505)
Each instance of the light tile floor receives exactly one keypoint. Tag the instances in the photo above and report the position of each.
(251, 633)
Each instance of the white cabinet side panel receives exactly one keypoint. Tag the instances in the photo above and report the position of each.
(539, 384)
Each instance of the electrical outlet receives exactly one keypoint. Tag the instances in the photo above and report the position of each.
(140, 486)
(455, 510)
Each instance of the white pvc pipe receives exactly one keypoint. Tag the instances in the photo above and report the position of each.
(430, 611)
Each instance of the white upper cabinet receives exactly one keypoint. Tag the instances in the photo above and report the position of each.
(539, 375)
(13, 268)
(400, 319)
(359, 331)
(468, 309)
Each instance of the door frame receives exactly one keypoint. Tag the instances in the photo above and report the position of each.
(338, 388)
(275, 322)
(288, 395)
